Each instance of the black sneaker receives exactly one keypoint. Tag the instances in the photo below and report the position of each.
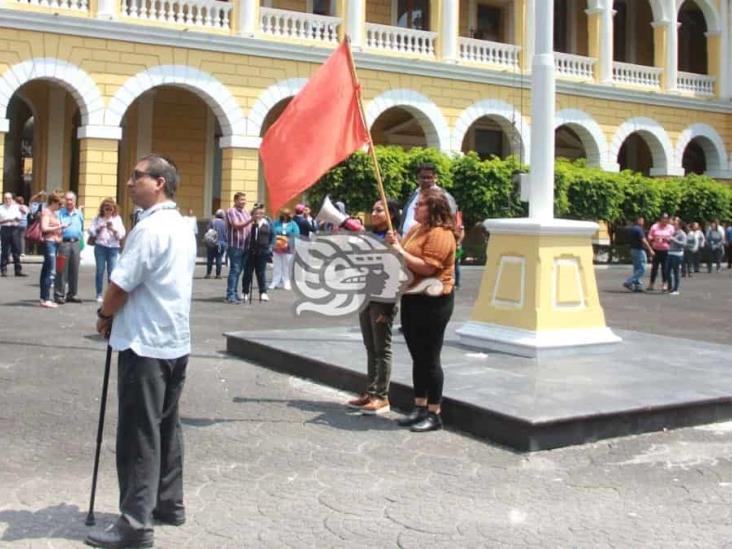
(417, 414)
(113, 537)
(432, 422)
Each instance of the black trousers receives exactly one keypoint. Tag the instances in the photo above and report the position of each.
(149, 438)
(660, 259)
(256, 266)
(424, 320)
(10, 242)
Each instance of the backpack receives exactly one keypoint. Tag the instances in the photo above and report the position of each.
(211, 238)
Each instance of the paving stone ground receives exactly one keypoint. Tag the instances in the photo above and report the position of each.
(275, 461)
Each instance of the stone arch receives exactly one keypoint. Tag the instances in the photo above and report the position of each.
(421, 107)
(511, 121)
(711, 143)
(655, 137)
(268, 99)
(711, 15)
(73, 79)
(209, 89)
(591, 135)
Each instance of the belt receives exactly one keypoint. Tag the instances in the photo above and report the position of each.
(70, 239)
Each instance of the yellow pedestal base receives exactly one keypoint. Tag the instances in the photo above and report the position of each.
(538, 291)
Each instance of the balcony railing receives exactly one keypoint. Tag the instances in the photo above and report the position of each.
(204, 14)
(637, 75)
(489, 53)
(299, 25)
(699, 84)
(573, 66)
(400, 40)
(70, 5)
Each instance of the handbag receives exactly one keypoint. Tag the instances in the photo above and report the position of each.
(91, 240)
(33, 233)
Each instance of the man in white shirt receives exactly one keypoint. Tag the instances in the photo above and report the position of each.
(427, 179)
(149, 298)
(10, 234)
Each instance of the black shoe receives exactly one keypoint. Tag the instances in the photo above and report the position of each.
(20, 274)
(171, 520)
(417, 414)
(432, 422)
(113, 537)
(73, 299)
(59, 300)
(207, 276)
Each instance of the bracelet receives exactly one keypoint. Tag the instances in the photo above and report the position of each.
(103, 316)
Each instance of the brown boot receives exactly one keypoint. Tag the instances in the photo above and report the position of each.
(376, 406)
(359, 402)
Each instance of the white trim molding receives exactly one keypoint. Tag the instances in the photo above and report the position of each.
(73, 79)
(267, 101)
(209, 89)
(711, 143)
(710, 12)
(99, 132)
(544, 227)
(508, 117)
(427, 113)
(532, 344)
(655, 137)
(4, 125)
(592, 137)
(240, 142)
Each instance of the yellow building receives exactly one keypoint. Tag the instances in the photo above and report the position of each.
(88, 87)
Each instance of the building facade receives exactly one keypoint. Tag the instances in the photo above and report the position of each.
(88, 86)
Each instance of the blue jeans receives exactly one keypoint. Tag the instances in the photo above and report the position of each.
(237, 264)
(639, 267)
(214, 254)
(48, 271)
(674, 264)
(105, 257)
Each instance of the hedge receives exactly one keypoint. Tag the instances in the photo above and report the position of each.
(488, 189)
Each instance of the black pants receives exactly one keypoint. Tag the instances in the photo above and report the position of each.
(660, 259)
(10, 242)
(424, 320)
(214, 254)
(729, 256)
(257, 265)
(149, 438)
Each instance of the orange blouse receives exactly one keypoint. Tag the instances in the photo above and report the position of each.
(436, 247)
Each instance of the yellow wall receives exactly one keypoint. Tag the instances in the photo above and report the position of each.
(294, 5)
(179, 131)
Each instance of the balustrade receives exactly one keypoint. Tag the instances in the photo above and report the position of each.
(489, 53)
(300, 25)
(400, 40)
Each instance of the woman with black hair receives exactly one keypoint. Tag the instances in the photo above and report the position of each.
(376, 320)
(429, 253)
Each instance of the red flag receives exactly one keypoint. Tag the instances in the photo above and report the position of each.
(321, 126)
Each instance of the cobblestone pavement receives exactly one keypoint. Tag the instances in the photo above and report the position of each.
(275, 461)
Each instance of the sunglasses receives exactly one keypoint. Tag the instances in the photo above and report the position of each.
(137, 174)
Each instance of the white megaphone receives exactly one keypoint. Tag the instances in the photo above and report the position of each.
(330, 214)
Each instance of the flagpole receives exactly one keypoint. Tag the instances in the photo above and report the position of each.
(372, 151)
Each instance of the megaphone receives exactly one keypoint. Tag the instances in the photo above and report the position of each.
(330, 214)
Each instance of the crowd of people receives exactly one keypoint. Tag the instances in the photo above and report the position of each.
(675, 249)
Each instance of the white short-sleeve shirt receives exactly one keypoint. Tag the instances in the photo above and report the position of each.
(156, 270)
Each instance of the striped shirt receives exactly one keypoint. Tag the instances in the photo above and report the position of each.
(237, 238)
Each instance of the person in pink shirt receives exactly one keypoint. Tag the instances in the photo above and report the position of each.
(659, 237)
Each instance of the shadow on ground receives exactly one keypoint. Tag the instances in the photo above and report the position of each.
(62, 521)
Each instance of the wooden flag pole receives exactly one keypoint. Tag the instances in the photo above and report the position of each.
(372, 151)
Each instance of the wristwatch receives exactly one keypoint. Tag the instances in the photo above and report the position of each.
(103, 316)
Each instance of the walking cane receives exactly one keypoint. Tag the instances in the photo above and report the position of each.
(90, 520)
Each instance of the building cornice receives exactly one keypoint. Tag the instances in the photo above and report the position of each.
(130, 32)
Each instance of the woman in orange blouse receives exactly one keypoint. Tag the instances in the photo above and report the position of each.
(429, 252)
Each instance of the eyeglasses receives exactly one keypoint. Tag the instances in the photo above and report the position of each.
(137, 174)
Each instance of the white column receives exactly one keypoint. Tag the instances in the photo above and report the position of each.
(606, 43)
(56, 139)
(107, 9)
(355, 22)
(449, 32)
(724, 54)
(543, 86)
(248, 23)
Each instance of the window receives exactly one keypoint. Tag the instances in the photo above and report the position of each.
(322, 7)
(488, 23)
(413, 14)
